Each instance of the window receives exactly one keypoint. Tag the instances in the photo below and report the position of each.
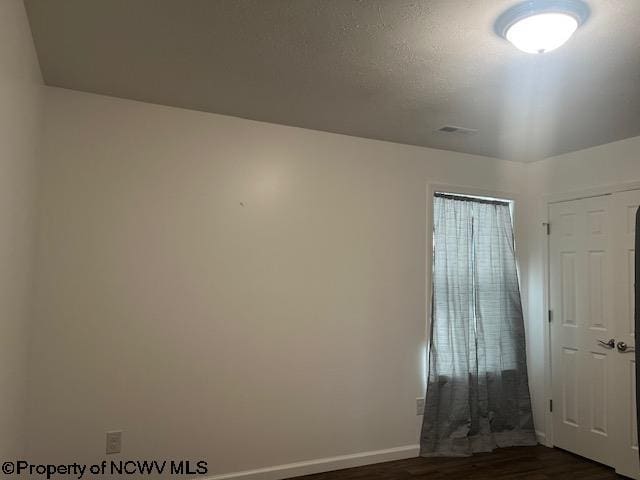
(477, 394)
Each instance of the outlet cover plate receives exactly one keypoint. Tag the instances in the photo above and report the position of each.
(114, 442)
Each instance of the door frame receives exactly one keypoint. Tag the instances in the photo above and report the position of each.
(547, 201)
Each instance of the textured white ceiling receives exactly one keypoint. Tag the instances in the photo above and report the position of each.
(388, 69)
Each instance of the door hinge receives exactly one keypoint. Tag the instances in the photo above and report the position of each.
(550, 317)
(547, 226)
(551, 405)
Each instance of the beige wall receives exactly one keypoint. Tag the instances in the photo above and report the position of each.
(20, 101)
(610, 164)
(244, 292)
(214, 283)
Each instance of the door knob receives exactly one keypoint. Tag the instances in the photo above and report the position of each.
(611, 343)
(624, 348)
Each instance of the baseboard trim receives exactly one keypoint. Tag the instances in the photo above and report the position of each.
(542, 438)
(320, 465)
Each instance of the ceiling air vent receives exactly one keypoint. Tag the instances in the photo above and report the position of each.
(457, 130)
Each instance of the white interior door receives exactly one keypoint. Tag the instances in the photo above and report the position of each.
(581, 299)
(592, 275)
(625, 206)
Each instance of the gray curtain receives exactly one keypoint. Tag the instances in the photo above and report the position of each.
(477, 394)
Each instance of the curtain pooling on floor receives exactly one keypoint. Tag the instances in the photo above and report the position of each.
(477, 395)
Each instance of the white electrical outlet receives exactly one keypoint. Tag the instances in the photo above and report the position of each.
(420, 406)
(114, 442)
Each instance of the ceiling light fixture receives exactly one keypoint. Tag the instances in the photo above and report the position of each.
(540, 26)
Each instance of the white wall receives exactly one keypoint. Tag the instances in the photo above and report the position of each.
(247, 293)
(20, 112)
(610, 164)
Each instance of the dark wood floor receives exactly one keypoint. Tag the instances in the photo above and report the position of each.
(534, 463)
